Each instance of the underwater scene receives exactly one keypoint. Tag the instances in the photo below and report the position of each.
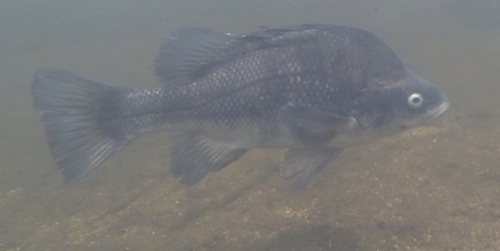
(250, 125)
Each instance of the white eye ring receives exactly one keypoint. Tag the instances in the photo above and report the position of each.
(415, 100)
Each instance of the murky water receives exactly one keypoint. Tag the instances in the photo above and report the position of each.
(432, 188)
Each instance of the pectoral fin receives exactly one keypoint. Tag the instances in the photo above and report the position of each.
(313, 126)
(303, 164)
(194, 156)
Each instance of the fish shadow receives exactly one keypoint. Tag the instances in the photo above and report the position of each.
(312, 237)
(324, 237)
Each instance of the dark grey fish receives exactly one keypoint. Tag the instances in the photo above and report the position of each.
(313, 88)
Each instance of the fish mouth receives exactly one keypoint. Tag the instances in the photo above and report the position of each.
(438, 111)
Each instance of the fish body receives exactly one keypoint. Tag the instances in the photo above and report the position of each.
(314, 89)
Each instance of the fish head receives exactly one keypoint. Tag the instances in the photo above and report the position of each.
(389, 107)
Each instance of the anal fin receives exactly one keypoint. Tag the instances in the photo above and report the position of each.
(194, 156)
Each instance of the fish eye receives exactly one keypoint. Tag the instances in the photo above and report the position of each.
(415, 100)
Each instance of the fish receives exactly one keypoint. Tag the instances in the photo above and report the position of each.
(313, 89)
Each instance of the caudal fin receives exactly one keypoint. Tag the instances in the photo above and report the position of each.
(78, 117)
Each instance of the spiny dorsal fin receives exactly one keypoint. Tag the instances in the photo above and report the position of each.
(191, 53)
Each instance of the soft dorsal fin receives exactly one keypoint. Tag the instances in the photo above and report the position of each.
(192, 52)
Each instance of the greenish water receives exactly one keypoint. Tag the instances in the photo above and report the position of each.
(432, 188)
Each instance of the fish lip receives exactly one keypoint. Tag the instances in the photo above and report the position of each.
(438, 111)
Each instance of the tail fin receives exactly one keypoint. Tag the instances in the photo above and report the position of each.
(78, 120)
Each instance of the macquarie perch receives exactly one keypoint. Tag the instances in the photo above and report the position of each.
(314, 89)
